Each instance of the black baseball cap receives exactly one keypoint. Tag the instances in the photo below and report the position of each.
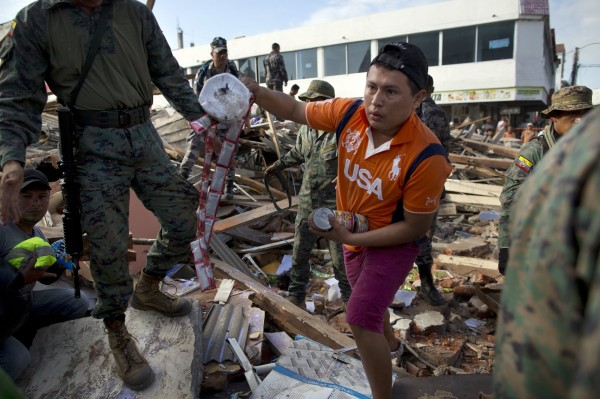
(406, 58)
(34, 177)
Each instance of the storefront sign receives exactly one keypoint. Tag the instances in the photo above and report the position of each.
(489, 95)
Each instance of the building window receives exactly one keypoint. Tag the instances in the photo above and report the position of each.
(459, 46)
(382, 42)
(247, 67)
(261, 69)
(347, 58)
(335, 60)
(495, 41)
(290, 64)
(307, 63)
(429, 43)
(359, 57)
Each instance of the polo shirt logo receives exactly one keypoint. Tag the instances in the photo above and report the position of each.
(351, 140)
(396, 169)
(363, 179)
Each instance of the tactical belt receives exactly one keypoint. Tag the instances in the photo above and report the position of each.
(117, 119)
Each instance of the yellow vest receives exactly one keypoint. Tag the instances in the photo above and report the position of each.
(32, 247)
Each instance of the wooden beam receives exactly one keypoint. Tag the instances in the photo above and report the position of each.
(465, 264)
(465, 187)
(291, 318)
(496, 163)
(274, 135)
(491, 148)
(473, 199)
(250, 216)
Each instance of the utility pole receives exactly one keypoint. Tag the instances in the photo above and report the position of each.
(575, 67)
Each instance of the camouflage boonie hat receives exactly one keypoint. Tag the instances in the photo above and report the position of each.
(316, 89)
(572, 98)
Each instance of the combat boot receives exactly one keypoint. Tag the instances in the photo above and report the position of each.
(131, 365)
(428, 291)
(148, 296)
(229, 189)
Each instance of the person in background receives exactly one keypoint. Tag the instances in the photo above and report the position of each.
(436, 120)
(548, 330)
(509, 133)
(318, 151)
(27, 257)
(377, 145)
(569, 104)
(118, 148)
(528, 133)
(276, 74)
(294, 90)
(218, 64)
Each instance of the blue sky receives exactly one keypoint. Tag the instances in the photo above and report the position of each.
(575, 22)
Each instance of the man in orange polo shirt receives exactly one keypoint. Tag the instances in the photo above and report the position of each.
(391, 170)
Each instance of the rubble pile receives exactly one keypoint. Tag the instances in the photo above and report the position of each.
(252, 247)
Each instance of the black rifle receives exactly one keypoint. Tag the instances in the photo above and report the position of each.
(70, 190)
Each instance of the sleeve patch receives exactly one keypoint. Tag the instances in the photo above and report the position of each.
(524, 164)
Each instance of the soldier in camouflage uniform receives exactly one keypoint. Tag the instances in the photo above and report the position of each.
(568, 105)
(436, 120)
(318, 151)
(118, 148)
(276, 74)
(218, 64)
(548, 337)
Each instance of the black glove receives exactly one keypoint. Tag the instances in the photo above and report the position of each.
(502, 260)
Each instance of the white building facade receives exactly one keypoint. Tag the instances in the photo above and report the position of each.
(487, 58)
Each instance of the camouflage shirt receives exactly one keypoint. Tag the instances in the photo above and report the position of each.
(525, 162)
(548, 338)
(318, 151)
(436, 120)
(208, 70)
(48, 43)
(275, 68)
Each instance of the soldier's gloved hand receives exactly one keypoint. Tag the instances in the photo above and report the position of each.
(502, 260)
(201, 124)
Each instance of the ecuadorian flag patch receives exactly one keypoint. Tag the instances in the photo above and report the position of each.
(524, 164)
(13, 25)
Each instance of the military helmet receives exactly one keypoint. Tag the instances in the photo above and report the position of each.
(316, 89)
(572, 98)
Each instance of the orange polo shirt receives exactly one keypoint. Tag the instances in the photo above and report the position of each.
(370, 181)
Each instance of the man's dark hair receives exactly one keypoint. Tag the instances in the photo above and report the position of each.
(295, 87)
(275, 46)
(429, 84)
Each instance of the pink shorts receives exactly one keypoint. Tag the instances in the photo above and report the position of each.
(375, 275)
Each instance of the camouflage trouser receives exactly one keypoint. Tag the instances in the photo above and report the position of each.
(304, 242)
(110, 162)
(278, 86)
(506, 199)
(196, 150)
(424, 257)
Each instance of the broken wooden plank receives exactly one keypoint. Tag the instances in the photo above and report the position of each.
(491, 148)
(251, 216)
(465, 187)
(473, 199)
(497, 163)
(291, 318)
(224, 290)
(266, 247)
(464, 264)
